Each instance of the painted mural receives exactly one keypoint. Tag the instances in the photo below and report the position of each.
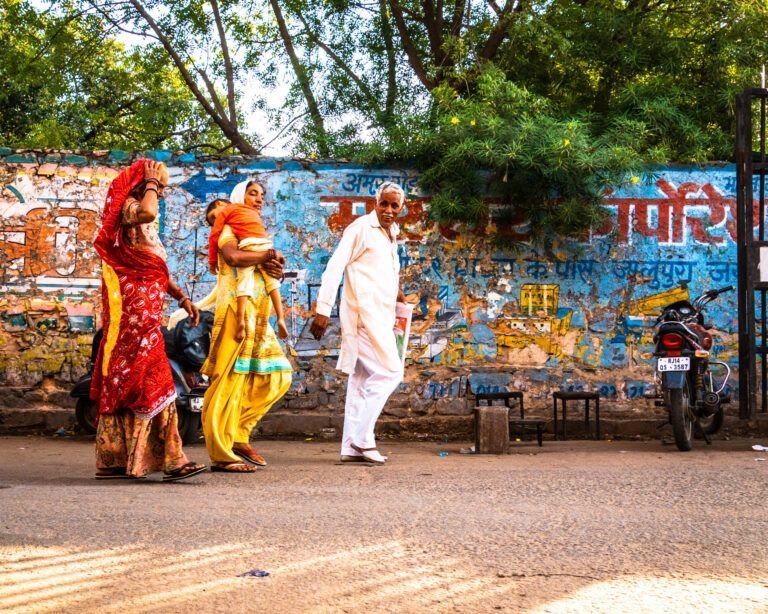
(567, 315)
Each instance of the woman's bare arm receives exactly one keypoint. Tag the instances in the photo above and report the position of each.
(240, 258)
(148, 208)
(154, 173)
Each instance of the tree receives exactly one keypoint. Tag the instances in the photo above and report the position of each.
(543, 102)
(672, 67)
(578, 95)
(66, 83)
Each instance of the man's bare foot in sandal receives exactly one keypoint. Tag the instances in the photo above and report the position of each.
(372, 455)
(234, 467)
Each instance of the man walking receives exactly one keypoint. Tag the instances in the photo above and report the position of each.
(367, 258)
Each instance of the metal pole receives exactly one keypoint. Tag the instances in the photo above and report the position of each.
(747, 371)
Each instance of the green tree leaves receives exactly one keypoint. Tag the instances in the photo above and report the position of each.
(542, 104)
(67, 83)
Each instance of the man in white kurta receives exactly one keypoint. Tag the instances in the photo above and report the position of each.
(367, 259)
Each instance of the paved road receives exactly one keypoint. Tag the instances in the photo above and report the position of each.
(570, 527)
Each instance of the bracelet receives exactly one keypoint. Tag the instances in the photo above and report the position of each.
(271, 254)
(151, 189)
(153, 180)
(183, 300)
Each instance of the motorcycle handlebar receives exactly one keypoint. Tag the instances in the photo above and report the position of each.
(710, 295)
(721, 290)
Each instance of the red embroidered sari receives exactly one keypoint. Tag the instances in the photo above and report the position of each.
(131, 370)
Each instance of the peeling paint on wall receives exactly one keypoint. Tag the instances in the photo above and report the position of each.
(571, 315)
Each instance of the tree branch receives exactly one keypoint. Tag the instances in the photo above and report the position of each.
(227, 63)
(432, 22)
(283, 129)
(212, 92)
(499, 32)
(389, 46)
(410, 48)
(227, 128)
(458, 15)
(303, 79)
(362, 86)
(496, 8)
(116, 24)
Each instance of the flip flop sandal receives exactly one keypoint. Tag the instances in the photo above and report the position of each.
(378, 460)
(114, 473)
(228, 468)
(248, 456)
(184, 472)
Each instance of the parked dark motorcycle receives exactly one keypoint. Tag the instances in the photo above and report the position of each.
(684, 371)
(186, 348)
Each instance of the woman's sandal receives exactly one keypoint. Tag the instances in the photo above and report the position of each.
(234, 467)
(371, 455)
(183, 472)
(113, 473)
(249, 455)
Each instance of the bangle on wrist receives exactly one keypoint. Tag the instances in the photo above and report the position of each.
(183, 300)
(153, 180)
(151, 189)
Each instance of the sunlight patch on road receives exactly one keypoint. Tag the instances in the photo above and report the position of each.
(650, 595)
(393, 575)
(52, 579)
(394, 572)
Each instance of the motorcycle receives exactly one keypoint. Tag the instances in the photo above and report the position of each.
(186, 348)
(684, 371)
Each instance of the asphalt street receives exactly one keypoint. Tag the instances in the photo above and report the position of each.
(574, 526)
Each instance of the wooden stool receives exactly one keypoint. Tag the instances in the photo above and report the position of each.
(491, 429)
(577, 396)
(508, 396)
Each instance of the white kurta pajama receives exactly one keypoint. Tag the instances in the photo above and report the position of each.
(369, 263)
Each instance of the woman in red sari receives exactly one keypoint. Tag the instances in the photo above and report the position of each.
(138, 428)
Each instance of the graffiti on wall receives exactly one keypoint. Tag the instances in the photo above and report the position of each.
(575, 306)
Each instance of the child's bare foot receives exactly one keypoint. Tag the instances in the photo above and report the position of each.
(240, 332)
(282, 329)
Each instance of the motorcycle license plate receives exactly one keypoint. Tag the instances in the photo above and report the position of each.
(674, 363)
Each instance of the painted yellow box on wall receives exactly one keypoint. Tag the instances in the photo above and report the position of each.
(539, 299)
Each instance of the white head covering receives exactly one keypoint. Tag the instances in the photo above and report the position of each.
(238, 192)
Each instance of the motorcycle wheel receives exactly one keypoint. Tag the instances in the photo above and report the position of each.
(85, 414)
(709, 425)
(189, 425)
(681, 418)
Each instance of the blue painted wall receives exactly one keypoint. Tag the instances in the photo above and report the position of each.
(570, 314)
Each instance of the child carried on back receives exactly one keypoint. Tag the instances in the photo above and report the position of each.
(247, 225)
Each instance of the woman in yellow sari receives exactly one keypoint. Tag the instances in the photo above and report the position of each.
(246, 377)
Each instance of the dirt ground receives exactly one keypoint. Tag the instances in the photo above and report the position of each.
(574, 526)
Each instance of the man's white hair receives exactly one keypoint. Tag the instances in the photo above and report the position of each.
(390, 186)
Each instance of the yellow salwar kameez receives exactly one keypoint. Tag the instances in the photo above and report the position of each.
(246, 377)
